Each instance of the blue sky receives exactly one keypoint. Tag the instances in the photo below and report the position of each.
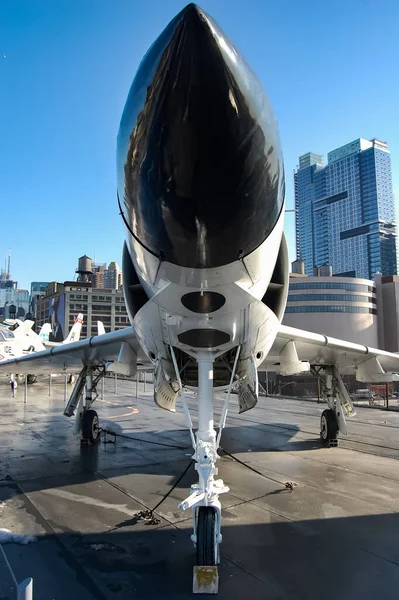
(330, 69)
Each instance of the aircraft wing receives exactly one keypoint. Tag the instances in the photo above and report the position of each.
(296, 345)
(292, 349)
(94, 351)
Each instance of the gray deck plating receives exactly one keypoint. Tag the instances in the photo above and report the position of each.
(335, 535)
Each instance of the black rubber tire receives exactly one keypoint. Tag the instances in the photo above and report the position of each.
(206, 531)
(31, 379)
(328, 426)
(90, 426)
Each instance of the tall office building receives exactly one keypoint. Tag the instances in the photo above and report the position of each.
(37, 288)
(113, 276)
(98, 274)
(345, 215)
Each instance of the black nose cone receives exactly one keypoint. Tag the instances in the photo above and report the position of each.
(200, 172)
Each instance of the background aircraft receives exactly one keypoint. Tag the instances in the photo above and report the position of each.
(18, 339)
(73, 336)
(23, 340)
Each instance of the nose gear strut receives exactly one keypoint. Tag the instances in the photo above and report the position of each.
(204, 495)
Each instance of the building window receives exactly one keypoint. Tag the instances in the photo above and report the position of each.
(332, 285)
(330, 297)
(337, 308)
(102, 318)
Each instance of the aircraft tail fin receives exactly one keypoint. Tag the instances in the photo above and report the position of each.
(100, 328)
(74, 334)
(44, 333)
(24, 328)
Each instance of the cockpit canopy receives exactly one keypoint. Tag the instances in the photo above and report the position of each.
(6, 335)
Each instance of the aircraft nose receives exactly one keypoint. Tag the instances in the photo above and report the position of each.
(200, 173)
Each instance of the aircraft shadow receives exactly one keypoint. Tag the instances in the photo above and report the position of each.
(46, 450)
(348, 558)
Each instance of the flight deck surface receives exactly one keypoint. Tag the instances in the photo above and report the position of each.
(334, 536)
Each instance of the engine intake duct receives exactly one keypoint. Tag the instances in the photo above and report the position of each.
(275, 297)
(135, 296)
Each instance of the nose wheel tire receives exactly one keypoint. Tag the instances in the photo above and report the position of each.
(90, 426)
(206, 536)
(328, 426)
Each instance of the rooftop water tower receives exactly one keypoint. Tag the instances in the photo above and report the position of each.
(84, 270)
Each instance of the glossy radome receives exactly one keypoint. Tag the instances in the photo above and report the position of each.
(200, 173)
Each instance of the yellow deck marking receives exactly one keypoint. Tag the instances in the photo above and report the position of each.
(134, 411)
(108, 402)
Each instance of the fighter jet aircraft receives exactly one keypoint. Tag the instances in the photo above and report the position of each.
(18, 339)
(23, 340)
(201, 192)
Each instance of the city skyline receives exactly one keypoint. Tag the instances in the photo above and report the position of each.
(9, 276)
(65, 100)
(345, 214)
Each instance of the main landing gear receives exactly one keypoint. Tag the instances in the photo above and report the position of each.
(204, 497)
(334, 391)
(90, 427)
(329, 428)
(83, 395)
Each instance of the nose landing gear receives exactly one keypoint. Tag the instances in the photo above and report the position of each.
(204, 497)
(207, 544)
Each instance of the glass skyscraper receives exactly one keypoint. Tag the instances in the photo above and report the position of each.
(345, 214)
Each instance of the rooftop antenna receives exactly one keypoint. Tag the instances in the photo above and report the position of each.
(9, 264)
